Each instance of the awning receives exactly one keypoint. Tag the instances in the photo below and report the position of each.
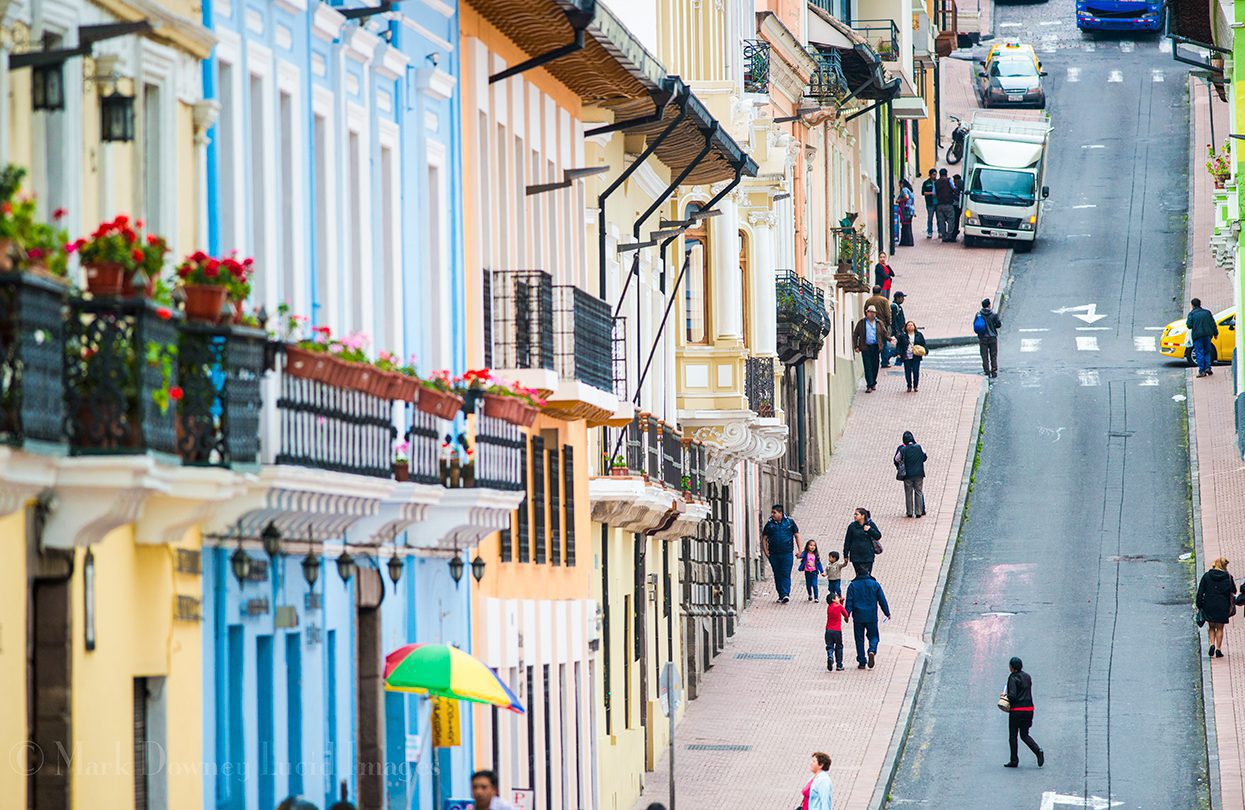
(861, 64)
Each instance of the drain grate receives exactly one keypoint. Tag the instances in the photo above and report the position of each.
(713, 747)
(765, 656)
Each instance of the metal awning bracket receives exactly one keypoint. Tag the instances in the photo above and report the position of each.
(579, 19)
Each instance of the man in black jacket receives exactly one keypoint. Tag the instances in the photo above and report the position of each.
(910, 461)
(944, 195)
(1020, 714)
(931, 204)
(988, 337)
(1202, 331)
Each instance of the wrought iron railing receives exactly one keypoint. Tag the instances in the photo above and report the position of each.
(756, 66)
(618, 359)
(220, 371)
(759, 386)
(332, 428)
(919, 73)
(423, 446)
(498, 459)
(584, 337)
(882, 35)
(827, 84)
(803, 322)
(520, 319)
(660, 454)
(32, 340)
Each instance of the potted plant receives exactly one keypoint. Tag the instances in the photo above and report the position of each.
(685, 484)
(619, 468)
(401, 461)
(10, 181)
(238, 281)
(438, 396)
(204, 285)
(116, 252)
(39, 248)
(509, 402)
(403, 381)
(1218, 164)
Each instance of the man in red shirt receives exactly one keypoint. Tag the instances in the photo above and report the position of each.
(835, 616)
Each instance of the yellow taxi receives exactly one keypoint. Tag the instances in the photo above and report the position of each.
(1175, 342)
(1012, 47)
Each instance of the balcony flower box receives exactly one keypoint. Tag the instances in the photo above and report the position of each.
(308, 365)
(441, 404)
(509, 409)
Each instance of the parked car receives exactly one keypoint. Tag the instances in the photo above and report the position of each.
(1011, 75)
(1175, 342)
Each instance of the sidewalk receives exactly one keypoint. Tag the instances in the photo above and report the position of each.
(1220, 472)
(769, 689)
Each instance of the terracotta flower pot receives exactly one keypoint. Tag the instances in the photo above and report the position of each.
(105, 279)
(402, 471)
(405, 388)
(307, 365)
(619, 472)
(438, 403)
(204, 302)
(509, 409)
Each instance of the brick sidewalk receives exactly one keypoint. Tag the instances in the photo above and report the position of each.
(1221, 475)
(785, 709)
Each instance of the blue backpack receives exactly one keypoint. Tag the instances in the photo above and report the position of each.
(979, 325)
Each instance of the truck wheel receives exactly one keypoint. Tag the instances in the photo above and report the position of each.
(970, 241)
(1022, 247)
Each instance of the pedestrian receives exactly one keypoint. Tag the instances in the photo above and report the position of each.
(1019, 696)
(1215, 602)
(868, 338)
(295, 803)
(862, 545)
(779, 539)
(864, 597)
(817, 791)
(987, 323)
(958, 183)
(881, 306)
(834, 573)
(484, 793)
(883, 275)
(910, 349)
(810, 564)
(944, 196)
(907, 212)
(836, 614)
(1202, 330)
(910, 461)
(931, 202)
(897, 318)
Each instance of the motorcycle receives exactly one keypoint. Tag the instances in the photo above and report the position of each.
(958, 136)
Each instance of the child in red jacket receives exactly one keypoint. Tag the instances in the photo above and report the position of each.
(835, 616)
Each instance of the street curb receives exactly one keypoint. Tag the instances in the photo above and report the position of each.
(900, 735)
(1000, 304)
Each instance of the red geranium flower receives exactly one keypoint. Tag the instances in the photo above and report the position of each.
(59, 213)
(163, 314)
(6, 207)
(121, 221)
(175, 393)
(138, 223)
(152, 239)
(136, 255)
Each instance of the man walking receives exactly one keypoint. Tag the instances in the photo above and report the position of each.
(958, 183)
(895, 324)
(484, 793)
(869, 337)
(910, 461)
(986, 324)
(931, 204)
(944, 195)
(864, 596)
(1202, 330)
(1019, 696)
(780, 538)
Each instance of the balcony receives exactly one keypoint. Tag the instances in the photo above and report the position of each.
(655, 484)
(855, 256)
(759, 386)
(1225, 235)
(882, 36)
(32, 339)
(803, 322)
(756, 65)
(557, 339)
(827, 86)
(912, 104)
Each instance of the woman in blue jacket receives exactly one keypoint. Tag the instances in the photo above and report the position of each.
(810, 564)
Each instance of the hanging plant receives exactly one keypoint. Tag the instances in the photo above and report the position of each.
(164, 358)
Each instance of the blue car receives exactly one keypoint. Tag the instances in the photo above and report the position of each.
(1118, 15)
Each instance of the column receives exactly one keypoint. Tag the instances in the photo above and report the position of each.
(762, 291)
(726, 279)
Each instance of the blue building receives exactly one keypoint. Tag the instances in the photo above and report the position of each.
(334, 162)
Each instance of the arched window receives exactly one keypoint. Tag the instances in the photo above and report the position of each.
(696, 282)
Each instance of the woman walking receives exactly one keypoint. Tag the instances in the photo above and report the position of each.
(883, 275)
(907, 211)
(810, 564)
(1214, 600)
(910, 347)
(817, 791)
(861, 546)
(1019, 697)
(910, 461)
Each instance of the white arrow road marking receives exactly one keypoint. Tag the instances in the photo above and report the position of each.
(1145, 343)
(1091, 312)
(1115, 76)
(1126, 46)
(1088, 376)
(1156, 75)
(1074, 74)
(1051, 800)
(1148, 377)
(1030, 344)
(1086, 343)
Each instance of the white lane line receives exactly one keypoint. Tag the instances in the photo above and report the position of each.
(1155, 328)
(1094, 328)
(1093, 146)
(1148, 377)
(1052, 22)
(1126, 46)
(1156, 75)
(1086, 343)
(1032, 330)
(1145, 343)
(1165, 45)
(1009, 25)
(1115, 77)
(1086, 205)
(1030, 344)
(1074, 74)
(1088, 376)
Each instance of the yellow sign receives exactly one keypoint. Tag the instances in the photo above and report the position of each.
(446, 729)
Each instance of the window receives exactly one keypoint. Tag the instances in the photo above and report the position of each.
(520, 203)
(499, 182)
(390, 333)
(259, 202)
(538, 229)
(153, 166)
(696, 281)
(438, 337)
(227, 152)
(354, 160)
(744, 298)
(286, 260)
(323, 286)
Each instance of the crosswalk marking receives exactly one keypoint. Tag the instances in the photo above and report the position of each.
(1115, 77)
(1155, 328)
(1148, 376)
(1051, 22)
(1030, 344)
(1156, 75)
(1074, 74)
(1086, 343)
(1126, 46)
(1093, 329)
(1165, 45)
(1144, 343)
(1088, 376)
(1090, 47)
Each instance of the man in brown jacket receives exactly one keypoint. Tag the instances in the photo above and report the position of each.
(869, 336)
(882, 306)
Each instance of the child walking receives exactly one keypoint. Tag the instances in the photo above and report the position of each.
(836, 614)
(810, 564)
(834, 573)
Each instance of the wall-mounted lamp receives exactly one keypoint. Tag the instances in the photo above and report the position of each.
(271, 538)
(477, 568)
(395, 568)
(47, 87)
(456, 568)
(311, 569)
(345, 566)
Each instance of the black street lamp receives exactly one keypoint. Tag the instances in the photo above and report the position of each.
(47, 87)
(345, 566)
(311, 569)
(240, 562)
(477, 568)
(271, 538)
(456, 568)
(116, 118)
(395, 568)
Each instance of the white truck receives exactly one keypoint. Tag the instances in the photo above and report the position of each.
(1003, 180)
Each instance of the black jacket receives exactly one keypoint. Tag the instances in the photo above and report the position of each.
(944, 191)
(898, 319)
(858, 544)
(912, 458)
(901, 344)
(1214, 595)
(881, 272)
(993, 323)
(1201, 323)
(1020, 690)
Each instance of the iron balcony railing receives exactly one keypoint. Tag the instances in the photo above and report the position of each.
(584, 337)
(827, 85)
(882, 35)
(519, 319)
(32, 358)
(496, 461)
(660, 454)
(423, 440)
(759, 385)
(220, 371)
(756, 66)
(803, 322)
(919, 72)
(854, 258)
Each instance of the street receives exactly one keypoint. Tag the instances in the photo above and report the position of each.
(1079, 513)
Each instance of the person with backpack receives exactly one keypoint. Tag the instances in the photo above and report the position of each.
(910, 461)
(1202, 330)
(986, 325)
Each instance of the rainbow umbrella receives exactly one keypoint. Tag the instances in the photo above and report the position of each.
(445, 671)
